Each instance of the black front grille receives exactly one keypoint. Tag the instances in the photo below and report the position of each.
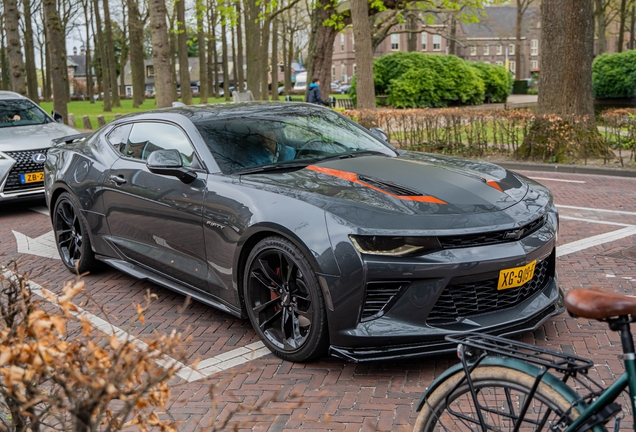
(24, 164)
(379, 297)
(478, 298)
(494, 237)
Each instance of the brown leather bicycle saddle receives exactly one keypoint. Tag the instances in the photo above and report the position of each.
(598, 303)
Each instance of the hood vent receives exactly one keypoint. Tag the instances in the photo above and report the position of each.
(391, 188)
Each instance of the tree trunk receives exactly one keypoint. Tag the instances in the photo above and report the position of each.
(160, 53)
(226, 74)
(234, 71)
(88, 64)
(136, 31)
(203, 76)
(565, 89)
(184, 67)
(110, 46)
(103, 62)
(239, 48)
(14, 48)
(29, 52)
(600, 27)
(365, 87)
(214, 71)
(631, 28)
(123, 56)
(621, 25)
(57, 49)
(253, 47)
(321, 48)
(264, 56)
(275, 60)
(48, 92)
(4, 78)
(286, 66)
(173, 56)
(453, 35)
(42, 50)
(519, 22)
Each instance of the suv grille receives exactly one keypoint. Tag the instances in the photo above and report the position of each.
(494, 237)
(478, 298)
(24, 164)
(379, 296)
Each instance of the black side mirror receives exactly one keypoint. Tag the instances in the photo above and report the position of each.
(379, 133)
(57, 116)
(169, 162)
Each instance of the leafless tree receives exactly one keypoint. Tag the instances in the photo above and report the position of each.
(160, 53)
(14, 47)
(57, 50)
(364, 54)
(184, 67)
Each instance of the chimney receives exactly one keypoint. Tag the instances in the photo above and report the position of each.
(82, 50)
(74, 50)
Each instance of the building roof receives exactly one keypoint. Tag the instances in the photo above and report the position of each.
(498, 22)
(78, 62)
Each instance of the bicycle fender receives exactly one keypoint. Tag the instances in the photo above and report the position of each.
(518, 365)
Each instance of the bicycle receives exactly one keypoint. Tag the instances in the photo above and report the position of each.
(502, 384)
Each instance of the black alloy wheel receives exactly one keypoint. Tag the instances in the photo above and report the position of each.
(71, 236)
(284, 301)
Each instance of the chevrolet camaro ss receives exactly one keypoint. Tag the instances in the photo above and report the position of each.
(323, 235)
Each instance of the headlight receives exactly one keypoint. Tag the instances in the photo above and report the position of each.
(395, 246)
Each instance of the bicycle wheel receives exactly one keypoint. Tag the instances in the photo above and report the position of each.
(501, 393)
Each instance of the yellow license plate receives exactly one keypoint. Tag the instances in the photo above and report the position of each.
(517, 276)
(32, 177)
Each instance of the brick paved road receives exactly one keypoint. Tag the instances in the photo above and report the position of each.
(337, 395)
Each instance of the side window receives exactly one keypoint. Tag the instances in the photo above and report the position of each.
(119, 136)
(148, 137)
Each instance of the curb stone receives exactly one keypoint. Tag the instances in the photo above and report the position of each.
(567, 169)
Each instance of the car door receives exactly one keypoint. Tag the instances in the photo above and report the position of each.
(156, 220)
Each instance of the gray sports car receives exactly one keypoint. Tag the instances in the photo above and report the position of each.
(25, 135)
(320, 232)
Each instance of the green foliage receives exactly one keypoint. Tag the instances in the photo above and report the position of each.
(412, 79)
(520, 87)
(614, 75)
(497, 80)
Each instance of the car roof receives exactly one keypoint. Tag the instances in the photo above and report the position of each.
(5, 95)
(212, 112)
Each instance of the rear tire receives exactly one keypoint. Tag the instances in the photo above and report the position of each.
(284, 302)
(503, 392)
(71, 236)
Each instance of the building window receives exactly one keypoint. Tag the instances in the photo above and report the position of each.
(150, 71)
(342, 38)
(499, 49)
(437, 43)
(354, 68)
(511, 49)
(473, 50)
(499, 63)
(487, 62)
(128, 91)
(395, 42)
(513, 67)
(343, 72)
(534, 64)
(534, 47)
(333, 73)
(424, 41)
(353, 43)
(486, 49)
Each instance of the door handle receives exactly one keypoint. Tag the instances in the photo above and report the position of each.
(118, 180)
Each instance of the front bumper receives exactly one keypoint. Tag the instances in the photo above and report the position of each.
(13, 164)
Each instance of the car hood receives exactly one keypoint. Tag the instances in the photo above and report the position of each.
(409, 188)
(32, 137)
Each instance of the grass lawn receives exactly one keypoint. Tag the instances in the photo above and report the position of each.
(82, 108)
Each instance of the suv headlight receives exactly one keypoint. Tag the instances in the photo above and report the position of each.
(395, 246)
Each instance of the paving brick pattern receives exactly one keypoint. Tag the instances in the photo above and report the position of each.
(268, 394)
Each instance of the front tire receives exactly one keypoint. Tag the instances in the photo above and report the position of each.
(71, 236)
(284, 302)
(501, 392)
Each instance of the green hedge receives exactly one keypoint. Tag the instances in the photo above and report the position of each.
(415, 80)
(497, 79)
(520, 87)
(614, 75)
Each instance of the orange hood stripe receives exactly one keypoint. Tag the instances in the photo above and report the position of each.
(354, 179)
(494, 184)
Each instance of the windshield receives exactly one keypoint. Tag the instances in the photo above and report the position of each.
(243, 143)
(21, 112)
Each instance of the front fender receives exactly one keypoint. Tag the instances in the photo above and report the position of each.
(518, 365)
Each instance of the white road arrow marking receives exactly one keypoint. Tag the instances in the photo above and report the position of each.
(43, 246)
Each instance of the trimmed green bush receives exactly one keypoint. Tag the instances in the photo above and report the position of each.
(520, 87)
(416, 80)
(614, 75)
(497, 80)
